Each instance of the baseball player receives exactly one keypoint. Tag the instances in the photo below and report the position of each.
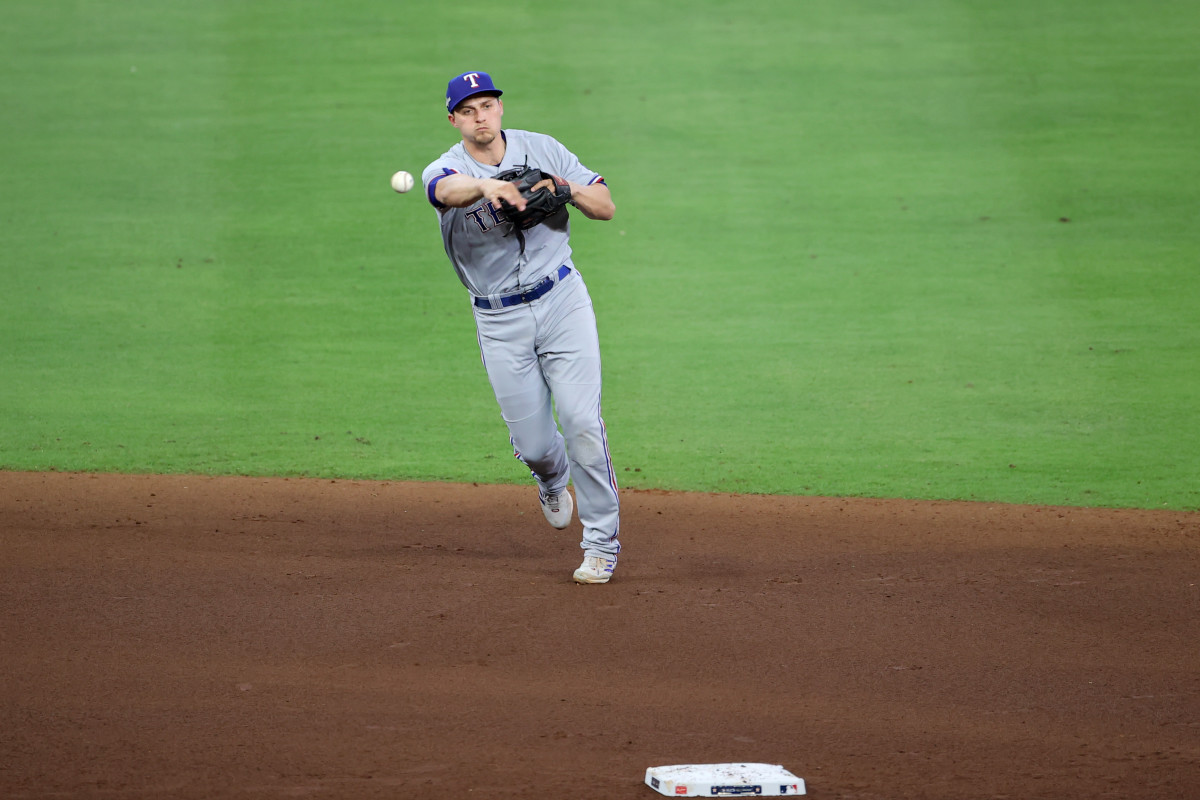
(533, 314)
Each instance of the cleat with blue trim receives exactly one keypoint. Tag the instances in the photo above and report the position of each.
(595, 569)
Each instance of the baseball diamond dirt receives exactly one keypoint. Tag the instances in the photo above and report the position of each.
(195, 637)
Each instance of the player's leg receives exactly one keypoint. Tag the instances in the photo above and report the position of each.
(570, 359)
(506, 343)
(591, 467)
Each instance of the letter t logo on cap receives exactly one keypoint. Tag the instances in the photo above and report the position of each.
(469, 84)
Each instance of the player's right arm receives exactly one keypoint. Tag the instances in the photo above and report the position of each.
(459, 191)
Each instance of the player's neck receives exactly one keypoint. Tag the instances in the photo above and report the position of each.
(491, 154)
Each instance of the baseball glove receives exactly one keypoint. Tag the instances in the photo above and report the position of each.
(546, 197)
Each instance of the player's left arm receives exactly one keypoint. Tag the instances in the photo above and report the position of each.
(589, 192)
(594, 200)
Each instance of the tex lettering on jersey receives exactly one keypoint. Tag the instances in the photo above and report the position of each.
(481, 214)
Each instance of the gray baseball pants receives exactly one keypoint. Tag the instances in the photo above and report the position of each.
(543, 357)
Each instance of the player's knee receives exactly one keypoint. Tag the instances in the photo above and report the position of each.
(587, 448)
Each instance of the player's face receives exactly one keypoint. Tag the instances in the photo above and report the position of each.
(478, 119)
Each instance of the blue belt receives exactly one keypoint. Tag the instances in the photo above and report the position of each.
(529, 295)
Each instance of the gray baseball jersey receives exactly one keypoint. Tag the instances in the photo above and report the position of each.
(485, 253)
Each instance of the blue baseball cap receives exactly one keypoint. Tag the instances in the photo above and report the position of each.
(467, 85)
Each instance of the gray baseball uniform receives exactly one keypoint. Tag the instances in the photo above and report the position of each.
(537, 332)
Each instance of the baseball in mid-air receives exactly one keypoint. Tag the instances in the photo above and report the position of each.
(402, 181)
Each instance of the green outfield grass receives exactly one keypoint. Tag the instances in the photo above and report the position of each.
(895, 249)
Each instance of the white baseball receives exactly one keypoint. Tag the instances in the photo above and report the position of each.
(402, 181)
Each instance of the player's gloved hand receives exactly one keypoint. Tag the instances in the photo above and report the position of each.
(545, 196)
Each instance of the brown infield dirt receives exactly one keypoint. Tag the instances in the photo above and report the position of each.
(193, 637)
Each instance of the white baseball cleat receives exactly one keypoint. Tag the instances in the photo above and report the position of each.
(558, 508)
(595, 569)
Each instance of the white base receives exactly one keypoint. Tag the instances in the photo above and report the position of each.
(724, 780)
